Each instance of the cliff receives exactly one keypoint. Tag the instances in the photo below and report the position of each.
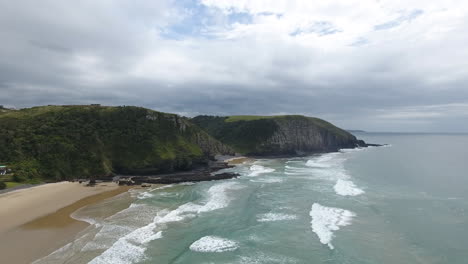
(277, 135)
(66, 142)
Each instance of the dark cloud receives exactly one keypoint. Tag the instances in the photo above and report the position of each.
(123, 53)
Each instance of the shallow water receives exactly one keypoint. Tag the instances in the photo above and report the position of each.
(406, 203)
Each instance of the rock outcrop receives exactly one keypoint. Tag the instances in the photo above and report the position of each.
(277, 135)
(299, 134)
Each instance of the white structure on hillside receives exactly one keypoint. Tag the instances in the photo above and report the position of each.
(3, 170)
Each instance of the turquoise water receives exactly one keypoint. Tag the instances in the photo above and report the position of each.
(405, 203)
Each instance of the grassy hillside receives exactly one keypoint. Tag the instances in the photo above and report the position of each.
(259, 135)
(247, 118)
(52, 143)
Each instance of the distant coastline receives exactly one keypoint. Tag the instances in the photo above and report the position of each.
(355, 131)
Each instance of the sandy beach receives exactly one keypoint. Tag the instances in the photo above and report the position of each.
(237, 160)
(36, 221)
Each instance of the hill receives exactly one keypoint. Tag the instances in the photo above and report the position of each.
(277, 135)
(51, 143)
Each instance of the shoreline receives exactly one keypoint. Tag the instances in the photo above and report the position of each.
(43, 212)
(37, 221)
(237, 160)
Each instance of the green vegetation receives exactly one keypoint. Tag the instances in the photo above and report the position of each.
(2, 185)
(317, 121)
(12, 184)
(247, 118)
(252, 135)
(245, 137)
(52, 143)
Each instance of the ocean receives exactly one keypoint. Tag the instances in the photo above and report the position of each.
(403, 203)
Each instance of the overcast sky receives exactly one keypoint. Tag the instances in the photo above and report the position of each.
(377, 65)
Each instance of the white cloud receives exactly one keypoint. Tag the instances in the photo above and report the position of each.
(335, 58)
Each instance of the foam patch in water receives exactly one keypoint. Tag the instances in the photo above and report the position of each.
(347, 188)
(270, 258)
(347, 150)
(213, 244)
(131, 247)
(258, 169)
(317, 164)
(268, 180)
(145, 195)
(327, 220)
(271, 217)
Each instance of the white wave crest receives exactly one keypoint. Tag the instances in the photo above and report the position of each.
(145, 195)
(326, 160)
(268, 180)
(213, 244)
(317, 164)
(347, 188)
(258, 169)
(270, 217)
(131, 248)
(89, 220)
(348, 150)
(327, 220)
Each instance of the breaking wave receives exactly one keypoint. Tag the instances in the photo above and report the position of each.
(131, 248)
(327, 220)
(213, 244)
(347, 188)
(259, 169)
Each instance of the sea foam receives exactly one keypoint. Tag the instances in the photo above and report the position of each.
(258, 169)
(347, 188)
(131, 248)
(145, 195)
(330, 167)
(348, 150)
(327, 220)
(318, 164)
(271, 217)
(268, 180)
(213, 244)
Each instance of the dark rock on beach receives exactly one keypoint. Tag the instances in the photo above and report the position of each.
(207, 173)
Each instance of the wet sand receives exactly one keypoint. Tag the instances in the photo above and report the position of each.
(35, 222)
(238, 160)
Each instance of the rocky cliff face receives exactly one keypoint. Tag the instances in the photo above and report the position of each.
(210, 146)
(277, 135)
(299, 135)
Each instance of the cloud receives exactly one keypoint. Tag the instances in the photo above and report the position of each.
(356, 63)
(406, 17)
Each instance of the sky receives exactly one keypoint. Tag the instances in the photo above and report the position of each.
(375, 65)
